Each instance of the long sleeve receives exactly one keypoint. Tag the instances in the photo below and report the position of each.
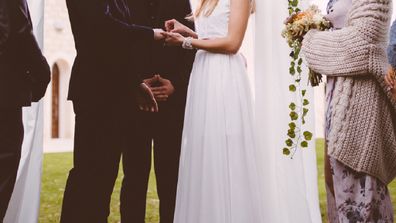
(4, 24)
(392, 46)
(99, 16)
(351, 50)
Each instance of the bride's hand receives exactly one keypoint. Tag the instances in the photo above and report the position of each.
(176, 27)
(174, 39)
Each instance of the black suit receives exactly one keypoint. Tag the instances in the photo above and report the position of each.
(24, 76)
(104, 80)
(164, 129)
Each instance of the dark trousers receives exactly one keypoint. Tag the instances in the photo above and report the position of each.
(99, 140)
(11, 137)
(164, 129)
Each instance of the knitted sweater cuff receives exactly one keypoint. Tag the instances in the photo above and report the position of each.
(336, 53)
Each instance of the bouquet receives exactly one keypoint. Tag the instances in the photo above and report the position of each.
(297, 25)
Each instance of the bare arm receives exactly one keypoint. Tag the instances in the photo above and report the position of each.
(230, 44)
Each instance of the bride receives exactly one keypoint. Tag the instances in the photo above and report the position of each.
(219, 176)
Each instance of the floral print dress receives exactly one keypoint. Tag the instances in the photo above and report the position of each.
(353, 197)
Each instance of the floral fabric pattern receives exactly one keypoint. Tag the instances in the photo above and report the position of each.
(330, 5)
(358, 197)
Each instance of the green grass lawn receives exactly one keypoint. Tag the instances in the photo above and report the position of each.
(56, 167)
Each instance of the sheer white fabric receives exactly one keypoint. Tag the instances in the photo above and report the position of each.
(25, 202)
(219, 180)
(290, 184)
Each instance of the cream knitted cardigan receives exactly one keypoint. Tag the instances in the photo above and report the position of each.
(363, 129)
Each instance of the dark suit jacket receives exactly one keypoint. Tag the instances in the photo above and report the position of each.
(173, 63)
(114, 41)
(24, 72)
(104, 35)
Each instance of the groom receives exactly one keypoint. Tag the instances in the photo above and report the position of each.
(105, 88)
(166, 70)
(24, 76)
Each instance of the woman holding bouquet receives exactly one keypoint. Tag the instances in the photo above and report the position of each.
(361, 112)
(219, 177)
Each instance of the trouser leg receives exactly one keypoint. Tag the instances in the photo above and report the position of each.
(11, 137)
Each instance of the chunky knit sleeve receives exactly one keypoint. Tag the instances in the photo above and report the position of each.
(350, 51)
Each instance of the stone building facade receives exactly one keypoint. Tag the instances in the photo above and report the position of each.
(60, 53)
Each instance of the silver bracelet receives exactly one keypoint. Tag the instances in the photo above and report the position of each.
(187, 43)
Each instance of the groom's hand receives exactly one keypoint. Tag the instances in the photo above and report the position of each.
(159, 34)
(165, 90)
(175, 26)
(146, 99)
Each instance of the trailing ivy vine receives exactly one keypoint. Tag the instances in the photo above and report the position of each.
(296, 136)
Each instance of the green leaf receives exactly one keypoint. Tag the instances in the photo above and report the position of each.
(299, 70)
(297, 52)
(305, 111)
(289, 143)
(306, 102)
(286, 151)
(292, 88)
(292, 106)
(292, 125)
(291, 134)
(303, 92)
(292, 71)
(304, 144)
(308, 135)
(293, 115)
(300, 61)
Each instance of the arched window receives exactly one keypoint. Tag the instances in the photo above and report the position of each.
(55, 102)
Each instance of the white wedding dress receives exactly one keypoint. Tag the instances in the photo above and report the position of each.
(219, 176)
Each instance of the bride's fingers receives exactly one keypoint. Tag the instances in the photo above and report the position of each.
(169, 24)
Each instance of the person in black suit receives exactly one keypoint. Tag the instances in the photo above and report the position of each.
(105, 87)
(166, 70)
(24, 76)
